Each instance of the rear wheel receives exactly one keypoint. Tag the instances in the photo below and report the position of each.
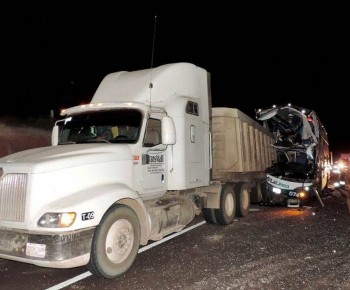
(115, 243)
(209, 216)
(242, 200)
(226, 213)
(256, 195)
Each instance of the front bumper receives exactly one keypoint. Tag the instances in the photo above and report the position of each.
(63, 250)
(287, 197)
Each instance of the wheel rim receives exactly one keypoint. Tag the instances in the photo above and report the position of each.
(119, 241)
(245, 198)
(229, 204)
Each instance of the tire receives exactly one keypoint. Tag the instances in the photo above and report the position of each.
(226, 213)
(242, 200)
(256, 195)
(209, 216)
(115, 243)
(264, 192)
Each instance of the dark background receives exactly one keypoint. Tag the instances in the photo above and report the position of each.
(55, 53)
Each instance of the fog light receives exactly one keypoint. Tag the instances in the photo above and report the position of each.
(302, 194)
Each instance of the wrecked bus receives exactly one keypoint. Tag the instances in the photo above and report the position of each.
(302, 167)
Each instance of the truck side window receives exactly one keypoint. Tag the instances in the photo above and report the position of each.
(192, 108)
(153, 133)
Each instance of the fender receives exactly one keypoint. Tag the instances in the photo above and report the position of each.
(91, 204)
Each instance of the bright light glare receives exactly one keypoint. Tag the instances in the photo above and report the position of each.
(302, 194)
(341, 165)
(276, 190)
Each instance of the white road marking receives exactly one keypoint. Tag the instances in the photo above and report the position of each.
(145, 248)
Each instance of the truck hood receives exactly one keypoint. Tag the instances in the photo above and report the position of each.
(50, 158)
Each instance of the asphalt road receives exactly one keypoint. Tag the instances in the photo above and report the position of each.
(271, 248)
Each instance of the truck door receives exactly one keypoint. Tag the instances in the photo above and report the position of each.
(153, 158)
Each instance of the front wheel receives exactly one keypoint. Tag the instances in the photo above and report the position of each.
(115, 243)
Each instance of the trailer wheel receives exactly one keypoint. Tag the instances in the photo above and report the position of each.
(115, 243)
(209, 216)
(256, 195)
(242, 200)
(226, 213)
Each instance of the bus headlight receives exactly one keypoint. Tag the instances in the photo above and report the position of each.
(276, 190)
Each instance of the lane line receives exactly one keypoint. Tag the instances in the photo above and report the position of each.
(145, 248)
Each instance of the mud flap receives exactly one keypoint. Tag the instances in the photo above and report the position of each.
(318, 197)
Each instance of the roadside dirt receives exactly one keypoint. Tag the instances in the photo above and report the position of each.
(15, 136)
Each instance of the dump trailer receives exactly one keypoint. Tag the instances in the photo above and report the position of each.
(242, 150)
(302, 168)
(137, 163)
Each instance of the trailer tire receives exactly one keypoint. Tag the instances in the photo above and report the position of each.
(256, 195)
(264, 192)
(242, 200)
(115, 242)
(209, 216)
(226, 213)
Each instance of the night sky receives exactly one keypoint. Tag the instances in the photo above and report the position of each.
(55, 53)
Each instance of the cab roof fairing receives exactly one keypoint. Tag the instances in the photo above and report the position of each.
(153, 86)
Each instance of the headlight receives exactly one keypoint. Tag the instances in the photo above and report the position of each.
(57, 220)
(276, 190)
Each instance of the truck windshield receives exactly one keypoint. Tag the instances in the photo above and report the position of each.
(112, 126)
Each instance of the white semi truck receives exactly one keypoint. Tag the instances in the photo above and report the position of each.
(139, 162)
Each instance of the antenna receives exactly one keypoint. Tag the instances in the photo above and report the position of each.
(152, 58)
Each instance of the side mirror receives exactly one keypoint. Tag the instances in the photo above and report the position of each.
(168, 131)
(55, 132)
(54, 135)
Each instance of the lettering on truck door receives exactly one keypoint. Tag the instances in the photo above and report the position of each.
(153, 158)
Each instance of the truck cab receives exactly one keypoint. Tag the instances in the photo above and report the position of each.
(117, 163)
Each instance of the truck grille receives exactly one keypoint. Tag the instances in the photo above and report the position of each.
(13, 197)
